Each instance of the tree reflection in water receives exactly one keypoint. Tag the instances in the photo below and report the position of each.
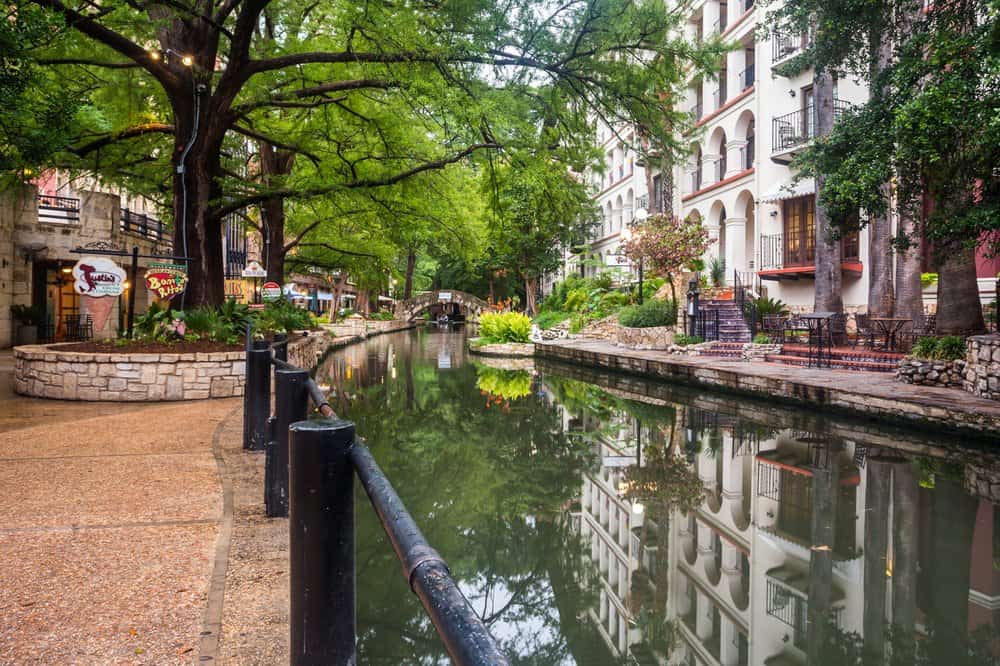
(565, 501)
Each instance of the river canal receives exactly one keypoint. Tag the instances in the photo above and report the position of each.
(594, 518)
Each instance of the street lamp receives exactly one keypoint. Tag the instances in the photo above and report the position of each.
(639, 217)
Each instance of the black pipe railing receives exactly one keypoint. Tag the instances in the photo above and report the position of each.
(141, 224)
(58, 210)
(309, 477)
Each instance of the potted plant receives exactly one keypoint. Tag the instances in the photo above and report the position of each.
(28, 318)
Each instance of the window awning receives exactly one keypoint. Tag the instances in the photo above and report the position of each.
(784, 191)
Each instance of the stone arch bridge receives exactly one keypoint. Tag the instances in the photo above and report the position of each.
(467, 304)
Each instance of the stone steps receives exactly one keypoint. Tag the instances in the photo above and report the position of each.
(835, 363)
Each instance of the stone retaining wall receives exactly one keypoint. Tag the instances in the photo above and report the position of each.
(512, 349)
(982, 366)
(41, 372)
(948, 374)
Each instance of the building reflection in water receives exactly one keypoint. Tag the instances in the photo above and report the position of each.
(722, 541)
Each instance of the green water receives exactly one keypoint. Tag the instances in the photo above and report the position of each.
(593, 518)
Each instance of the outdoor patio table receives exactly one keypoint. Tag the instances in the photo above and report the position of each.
(890, 327)
(816, 322)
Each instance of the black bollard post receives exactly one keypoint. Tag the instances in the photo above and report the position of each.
(291, 404)
(321, 542)
(281, 347)
(257, 396)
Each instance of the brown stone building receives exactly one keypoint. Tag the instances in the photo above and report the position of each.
(38, 233)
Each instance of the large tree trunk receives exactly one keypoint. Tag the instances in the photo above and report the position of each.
(411, 264)
(274, 165)
(829, 275)
(198, 231)
(909, 264)
(824, 494)
(880, 291)
(959, 310)
(877, 492)
(530, 289)
(905, 540)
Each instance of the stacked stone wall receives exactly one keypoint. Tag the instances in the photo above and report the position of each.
(982, 366)
(41, 372)
(949, 374)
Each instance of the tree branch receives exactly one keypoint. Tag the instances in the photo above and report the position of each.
(89, 63)
(274, 142)
(129, 133)
(335, 86)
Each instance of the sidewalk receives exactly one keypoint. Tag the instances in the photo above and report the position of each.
(871, 394)
(109, 528)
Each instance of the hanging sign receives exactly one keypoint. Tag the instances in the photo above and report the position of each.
(98, 277)
(444, 296)
(270, 291)
(254, 270)
(166, 280)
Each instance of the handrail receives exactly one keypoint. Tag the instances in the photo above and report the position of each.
(320, 459)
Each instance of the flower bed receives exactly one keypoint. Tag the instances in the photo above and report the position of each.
(45, 372)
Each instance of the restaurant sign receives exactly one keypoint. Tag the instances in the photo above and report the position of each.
(166, 280)
(270, 291)
(98, 277)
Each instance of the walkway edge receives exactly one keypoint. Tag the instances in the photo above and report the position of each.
(874, 395)
(211, 629)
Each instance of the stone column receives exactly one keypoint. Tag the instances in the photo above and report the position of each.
(708, 172)
(736, 259)
(703, 615)
(735, 64)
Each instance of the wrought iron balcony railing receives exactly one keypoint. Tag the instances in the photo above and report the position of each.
(798, 127)
(58, 210)
(141, 224)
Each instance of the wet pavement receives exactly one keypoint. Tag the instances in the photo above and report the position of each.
(109, 528)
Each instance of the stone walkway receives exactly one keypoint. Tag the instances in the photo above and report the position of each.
(108, 529)
(875, 394)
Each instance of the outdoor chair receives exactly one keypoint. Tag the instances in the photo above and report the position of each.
(795, 329)
(865, 333)
(773, 326)
(922, 326)
(837, 330)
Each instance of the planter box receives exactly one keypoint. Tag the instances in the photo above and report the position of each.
(946, 374)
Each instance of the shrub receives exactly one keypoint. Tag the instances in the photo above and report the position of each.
(684, 339)
(948, 348)
(651, 313)
(927, 279)
(762, 339)
(506, 384)
(603, 281)
(550, 318)
(576, 299)
(29, 315)
(769, 306)
(717, 271)
(498, 327)
(382, 315)
(281, 316)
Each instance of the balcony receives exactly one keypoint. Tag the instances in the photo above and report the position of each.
(784, 46)
(720, 95)
(788, 601)
(776, 262)
(58, 210)
(720, 169)
(791, 131)
(747, 78)
(695, 180)
(141, 224)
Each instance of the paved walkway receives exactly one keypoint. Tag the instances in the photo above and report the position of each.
(108, 529)
(875, 394)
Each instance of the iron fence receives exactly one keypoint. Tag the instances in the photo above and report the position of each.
(68, 328)
(783, 45)
(705, 324)
(793, 129)
(141, 224)
(310, 467)
(746, 287)
(772, 252)
(58, 210)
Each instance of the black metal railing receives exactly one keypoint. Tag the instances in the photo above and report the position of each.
(68, 328)
(790, 608)
(793, 129)
(747, 77)
(309, 476)
(719, 96)
(696, 179)
(141, 224)
(748, 5)
(705, 324)
(745, 290)
(747, 153)
(771, 253)
(58, 210)
(720, 168)
(783, 45)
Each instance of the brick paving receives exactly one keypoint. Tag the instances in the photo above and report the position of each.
(108, 530)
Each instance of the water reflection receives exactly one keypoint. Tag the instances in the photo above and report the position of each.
(599, 519)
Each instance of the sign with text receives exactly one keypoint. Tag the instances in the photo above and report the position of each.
(254, 270)
(98, 277)
(270, 291)
(166, 280)
(444, 296)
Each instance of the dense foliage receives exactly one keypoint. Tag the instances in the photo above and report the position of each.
(226, 323)
(654, 312)
(946, 348)
(499, 327)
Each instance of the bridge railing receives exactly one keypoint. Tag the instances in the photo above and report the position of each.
(309, 477)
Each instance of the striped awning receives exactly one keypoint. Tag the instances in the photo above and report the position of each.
(784, 191)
